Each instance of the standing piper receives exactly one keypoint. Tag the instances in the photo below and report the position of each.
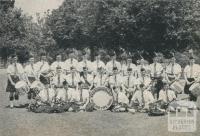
(112, 63)
(57, 63)
(173, 71)
(15, 73)
(191, 75)
(31, 76)
(42, 68)
(71, 61)
(156, 72)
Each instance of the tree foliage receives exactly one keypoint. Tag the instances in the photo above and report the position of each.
(154, 25)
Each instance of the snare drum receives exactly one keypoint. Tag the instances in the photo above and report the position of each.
(195, 89)
(101, 97)
(21, 87)
(177, 87)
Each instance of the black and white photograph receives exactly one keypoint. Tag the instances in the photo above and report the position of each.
(99, 67)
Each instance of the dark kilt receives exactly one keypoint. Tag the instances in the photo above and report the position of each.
(10, 87)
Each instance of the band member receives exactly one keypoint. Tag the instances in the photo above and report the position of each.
(57, 63)
(112, 63)
(129, 83)
(144, 79)
(156, 75)
(86, 82)
(173, 70)
(31, 76)
(73, 80)
(128, 64)
(142, 97)
(191, 75)
(166, 94)
(141, 64)
(100, 79)
(60, 84)
(71, 61)
(85, 63)
(42, 68)
(98, 63)
(15, 73)
(115, 82)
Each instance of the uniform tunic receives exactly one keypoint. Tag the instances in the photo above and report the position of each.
(85, 63)
(71, 62)
(156, 69)
(111, 64)
(97, 64)
(173, 70)
(55, 64)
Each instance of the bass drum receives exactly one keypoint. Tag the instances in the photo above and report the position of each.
(195, 89)
(101, 98)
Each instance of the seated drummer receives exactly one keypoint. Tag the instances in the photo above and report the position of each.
(31, 76)
(173, 70)
(166, 94)
(115, 81)
(191, 75)
(129, 83)
(15, 73)
(59, 82)
(73, 80)
(142, 98)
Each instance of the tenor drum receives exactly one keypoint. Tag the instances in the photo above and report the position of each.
(177, 87)
(195, 89)
(21, 87)
(101, 97)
